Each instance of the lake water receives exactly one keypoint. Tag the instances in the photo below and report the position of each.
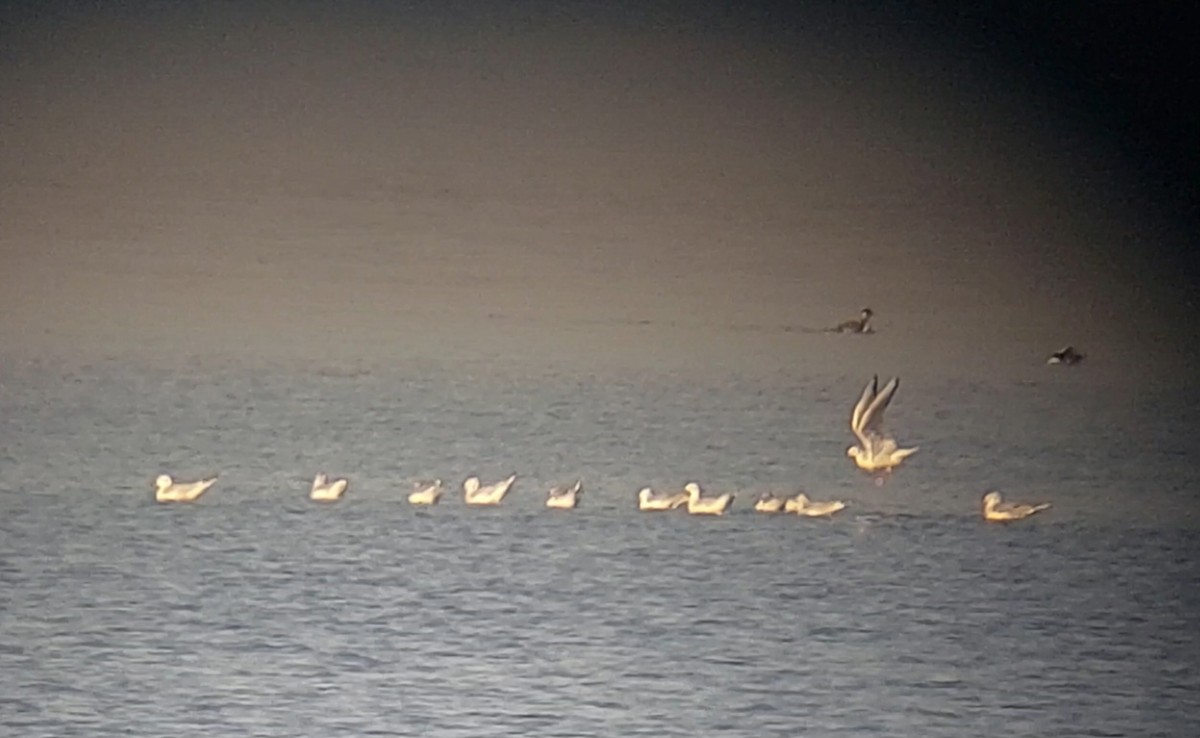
(256, 612)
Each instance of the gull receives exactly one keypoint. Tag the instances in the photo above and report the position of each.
(426, 493)
(168, 490)
(490, 494)
(997, 511)
(697, 505)
(649, 501)
(324, 490)
(565, 497)
(1067, 356)
(861, 325)
(768, 502)
(801, 505)
(877, 452)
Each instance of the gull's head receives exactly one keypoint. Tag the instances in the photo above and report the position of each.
(867, 313)
(644, 493)
(162, 481)
(471, 485)
(692, 489)
(853, 452)
(991, 499)
(801, 499)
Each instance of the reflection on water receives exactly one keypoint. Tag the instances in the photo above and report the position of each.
(256, 612)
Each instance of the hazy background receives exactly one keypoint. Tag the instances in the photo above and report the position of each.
(643, 186)
(396, 242)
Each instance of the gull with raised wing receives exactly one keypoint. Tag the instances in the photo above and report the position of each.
(700, 505)
(801, 505)
(490, 494)
(996, 510)
(649, 501)
(876, 450)
(168, 490)
(324, 490)
(565, 497)
(426, 493)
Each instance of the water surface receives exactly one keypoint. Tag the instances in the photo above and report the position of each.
(256, 612)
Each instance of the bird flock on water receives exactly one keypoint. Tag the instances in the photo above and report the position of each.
(876, 452)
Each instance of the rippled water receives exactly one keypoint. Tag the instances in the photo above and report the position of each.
(254, 612)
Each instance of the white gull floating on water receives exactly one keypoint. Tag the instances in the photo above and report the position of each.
(426, 493)
(801, 505)
(996, 510)
(491, 494)
(699, 505)
(650, 502)
(769, 502)
(324, 490)
(565, 497)
(168, 490)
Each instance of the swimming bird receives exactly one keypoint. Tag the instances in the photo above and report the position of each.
(565, 497)
(324, 490)
(697, 505)
(801, 505)
(649, 501)
(997, 511)
(877, 451)
(769, 502)
(491, 494)
(1067, 355)
(168, 490)
(861, 325)
(426, 493)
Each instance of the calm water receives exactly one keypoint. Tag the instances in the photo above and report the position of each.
(254, 612)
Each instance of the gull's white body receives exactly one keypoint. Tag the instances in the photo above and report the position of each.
(426, 493)
(651, 502)
(491, 494)
(565, 498)
(698, 505)
(769, 503)
(324, 490)
(801, 505)
(875, 451)
(168, 490)
(996, 510)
